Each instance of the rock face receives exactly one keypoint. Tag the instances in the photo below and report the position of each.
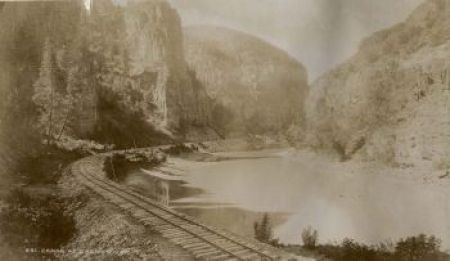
(155, 51)
(116, 74)
(390, 101)
(147, 48)
(256, 87)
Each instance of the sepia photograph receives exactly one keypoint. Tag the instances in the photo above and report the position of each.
(264, 130)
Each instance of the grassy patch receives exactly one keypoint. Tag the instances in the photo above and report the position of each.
(35, 215)
(36, 220)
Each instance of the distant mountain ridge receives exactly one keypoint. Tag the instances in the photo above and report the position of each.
(258, 83)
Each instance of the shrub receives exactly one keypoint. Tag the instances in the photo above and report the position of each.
(116, 166)
(417, 248)
(349, 250)
(421, 247)
(36, 221)
(309, 237)
(45, 166)
(294, 135)
(356, 251)
(263, 230)
(179, 149)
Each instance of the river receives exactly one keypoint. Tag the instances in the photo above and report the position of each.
(362, 201)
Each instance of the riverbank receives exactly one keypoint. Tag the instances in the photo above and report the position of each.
(366, 201)
(424, 173)
(252, 143)
(173, 226)
(47, 214)
(347, 186)
(105, 232)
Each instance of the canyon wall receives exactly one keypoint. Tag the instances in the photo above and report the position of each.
(145, 60)
(115, 74)
(390, 101)
(256, 87)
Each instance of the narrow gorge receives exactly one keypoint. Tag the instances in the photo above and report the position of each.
(190, 130)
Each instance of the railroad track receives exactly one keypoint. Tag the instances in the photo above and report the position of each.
(204, 242)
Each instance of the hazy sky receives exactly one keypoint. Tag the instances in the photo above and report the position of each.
(319, 33)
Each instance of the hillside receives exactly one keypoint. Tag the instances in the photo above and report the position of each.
(261, 87)
(116, 74)
(74, 82)
(390, 101)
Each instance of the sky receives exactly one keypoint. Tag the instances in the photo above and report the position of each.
(319, 33)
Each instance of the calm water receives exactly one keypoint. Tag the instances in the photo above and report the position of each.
(340, 200)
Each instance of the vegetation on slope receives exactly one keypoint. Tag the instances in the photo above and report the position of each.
(389, 101)
(261, 87)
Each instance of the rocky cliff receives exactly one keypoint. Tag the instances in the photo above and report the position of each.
(116, 74)
(257, 87)
(144, 54)
(390, 101)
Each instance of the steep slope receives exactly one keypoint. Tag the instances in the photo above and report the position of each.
(142, 61)
(258, 88)
(23, 30)
(390, 101)
(116, 74)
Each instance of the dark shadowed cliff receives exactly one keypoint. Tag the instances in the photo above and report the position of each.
(116, 74)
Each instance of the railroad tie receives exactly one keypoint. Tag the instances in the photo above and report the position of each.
(203, 241)
(209, 255)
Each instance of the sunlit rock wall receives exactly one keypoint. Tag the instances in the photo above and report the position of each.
(390, 101)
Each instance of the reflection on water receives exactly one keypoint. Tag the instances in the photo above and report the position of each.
(154, 187)
(162, 192)
(338, 199)
(234, 219)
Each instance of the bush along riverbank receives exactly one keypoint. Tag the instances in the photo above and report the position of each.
(117, 165)
(417, 248)
(414, 248)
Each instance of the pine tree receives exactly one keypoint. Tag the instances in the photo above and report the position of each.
(44, 92)
(53, 107)
(74, 94)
